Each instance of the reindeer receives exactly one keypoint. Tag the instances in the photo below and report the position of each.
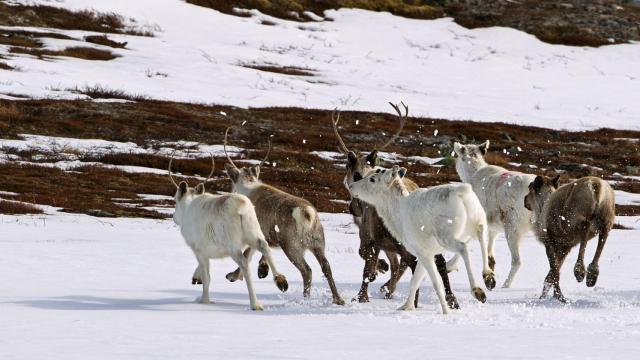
(218, 226)
(374, 236)
(427, 222)
(288, 221)
(500, 191)
(567, 216)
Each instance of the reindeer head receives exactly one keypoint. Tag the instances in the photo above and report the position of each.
(539, 192)
(245, 177)
(358, 166)
(371, 188)
(184, 193)
(470, 157)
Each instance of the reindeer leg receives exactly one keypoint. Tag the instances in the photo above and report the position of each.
(265, 250)
(561, 255)
(492, 234)
(578, 269)
(243, 263)
(594, 270)
(196, 278)
(549, 279)
(237, 273)
(513, 235)
(206, 279)
(263, 268)
(397, 269)
(296, 256)
(326, 270)
(416, 280)
(370, 255)
(441, 266)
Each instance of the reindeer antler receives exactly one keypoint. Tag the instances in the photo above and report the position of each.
(226, 134)
(213, 167)
(268, 152)
(402, 122)
(171, 177)
(334, 122)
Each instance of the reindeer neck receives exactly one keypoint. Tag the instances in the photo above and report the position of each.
(539, 222)
(466, 169)
(389, 205)
(246, 190)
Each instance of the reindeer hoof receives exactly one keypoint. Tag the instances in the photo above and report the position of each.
(263, 270)
(560, 298)
(592, 275)
(383, 267)
(361, 298)
(407, 307)
(281, 283)
(579, 271)
(452, 302)
(202, 300)
(231, 276)
(338, 301)
(489, 281)
(492, 263)
(257, 307)
(195, 281)
(479, 295)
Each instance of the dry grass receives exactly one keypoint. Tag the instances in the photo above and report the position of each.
(18, 208)
(286, 70)
(292, 9)
(104, 40)
(58, 18)
(296, 169)
(5, 66)
(9, 112)
(103, 92)
(18, 40)
(75, 52)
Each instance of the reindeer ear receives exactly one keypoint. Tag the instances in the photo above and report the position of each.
(232, 172)
(484, 147)
(458, 148)
(352, 158)
(256, 171)
(200, 189)
(538, 182)
(182, 188)
(372, 158)
(556, 181)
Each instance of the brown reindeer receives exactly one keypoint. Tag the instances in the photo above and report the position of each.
(287, 221)
(374, 236)
(567, 216)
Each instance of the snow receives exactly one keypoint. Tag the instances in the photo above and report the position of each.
(121, 289)
(95, 147)
(360, 60)
(627, 198)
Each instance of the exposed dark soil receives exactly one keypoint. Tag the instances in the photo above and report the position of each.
(297, 132)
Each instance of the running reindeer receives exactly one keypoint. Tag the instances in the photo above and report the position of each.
(374, 236)
(218, 226)
(288, 222)
(427, 222)
(500, 191)
(567, 216)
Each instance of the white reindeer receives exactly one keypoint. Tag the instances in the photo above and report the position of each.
(501, 192)
(218, 226)
(427, 222)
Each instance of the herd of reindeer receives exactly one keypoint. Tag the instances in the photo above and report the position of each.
(413, 226)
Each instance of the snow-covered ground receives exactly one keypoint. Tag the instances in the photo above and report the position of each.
(360, 60)
(78, 287)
